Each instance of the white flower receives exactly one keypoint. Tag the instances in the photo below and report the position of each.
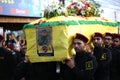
(89, 8)
(81, 5)
(59, 11)
(82, 12)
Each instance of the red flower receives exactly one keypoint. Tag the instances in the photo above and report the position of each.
(73, 3)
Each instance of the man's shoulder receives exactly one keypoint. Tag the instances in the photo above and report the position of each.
(90, 55)
(106, 50)
(6, 51)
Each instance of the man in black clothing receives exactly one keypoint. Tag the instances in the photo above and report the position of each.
(83, 65)
(7, 63)
(103, 57)
(115, 63)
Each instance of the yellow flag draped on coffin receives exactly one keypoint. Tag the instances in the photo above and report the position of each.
(50, 39)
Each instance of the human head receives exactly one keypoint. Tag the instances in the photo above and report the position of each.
(44, 32)
(108, 39)
(116, 40)
(97, 39)
(10, 36)
(18, 38)
(79, 42)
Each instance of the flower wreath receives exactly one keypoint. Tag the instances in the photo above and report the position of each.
(84, 8)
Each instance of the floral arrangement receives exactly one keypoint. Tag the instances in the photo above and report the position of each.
(56, 9)
(84, 8)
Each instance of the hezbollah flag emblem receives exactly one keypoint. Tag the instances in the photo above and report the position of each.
(103, 56)
(89, 65)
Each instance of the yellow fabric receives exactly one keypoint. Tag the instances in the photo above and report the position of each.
(60, 44)
(61, 39)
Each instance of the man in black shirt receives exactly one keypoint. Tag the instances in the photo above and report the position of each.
(103, 57)
(83, 65)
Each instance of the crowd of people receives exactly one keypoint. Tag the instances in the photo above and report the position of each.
(95, 59)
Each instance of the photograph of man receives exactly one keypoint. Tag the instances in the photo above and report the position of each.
(44, 38)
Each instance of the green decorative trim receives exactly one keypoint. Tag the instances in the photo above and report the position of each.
(28, 26)
(98, 22)
(118, 24)
(81, 22)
